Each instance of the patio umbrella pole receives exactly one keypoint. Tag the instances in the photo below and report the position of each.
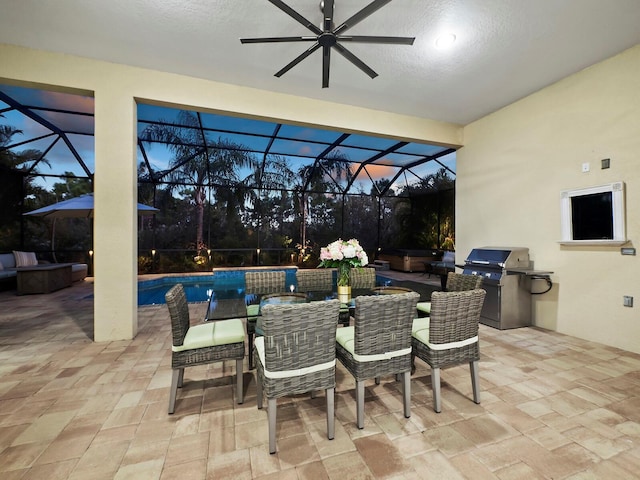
(53, 241)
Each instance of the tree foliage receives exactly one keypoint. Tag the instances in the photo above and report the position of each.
(196, 172)
(224, 196)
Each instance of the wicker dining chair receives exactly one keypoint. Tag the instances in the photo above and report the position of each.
(379, 343)
(297, 355)
(314, 279)
(451, 337)
(363, 277)
(269, 281)
(201, 344)
(456, 282)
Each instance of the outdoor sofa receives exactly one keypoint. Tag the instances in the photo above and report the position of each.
(10, 262)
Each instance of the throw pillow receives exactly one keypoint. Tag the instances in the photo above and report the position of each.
(25, 259)
(1, 266)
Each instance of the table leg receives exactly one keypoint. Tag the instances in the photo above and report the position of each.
(443, 281)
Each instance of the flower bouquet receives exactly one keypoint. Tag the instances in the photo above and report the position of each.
(343, 255)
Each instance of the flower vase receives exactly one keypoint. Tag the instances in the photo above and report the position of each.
(344, 293)
(344, 282)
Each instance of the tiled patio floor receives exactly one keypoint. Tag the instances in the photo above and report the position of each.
(553, 407)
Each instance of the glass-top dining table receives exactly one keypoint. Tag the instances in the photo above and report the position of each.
(225, 302)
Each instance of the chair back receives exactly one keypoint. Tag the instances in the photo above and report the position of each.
(299, 335)
(382, 323)
(269, 281)
(363, 277)
(314, 279)
(179, 312)
(455, 315)
(460, 282)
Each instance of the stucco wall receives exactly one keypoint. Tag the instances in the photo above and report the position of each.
(511, 170)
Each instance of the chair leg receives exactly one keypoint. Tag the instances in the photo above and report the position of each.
(181, 379)
(360, 403)
(331, 416)
(435, 383)
(313, 394)
(271, 414)
(239, 380)
(406, 393)
(175, 380)
(377, 380)
(475, 381)
(259, 391)
(250, 338)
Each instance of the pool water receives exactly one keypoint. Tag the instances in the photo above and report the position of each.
(151, 292)
(198, 288)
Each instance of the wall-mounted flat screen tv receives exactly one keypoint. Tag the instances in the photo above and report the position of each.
(594, 215)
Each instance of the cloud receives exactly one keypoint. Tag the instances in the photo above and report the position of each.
(377, 172)
(63, 101)
(305, 150)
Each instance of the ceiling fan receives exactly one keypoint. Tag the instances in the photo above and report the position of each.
(329, 37)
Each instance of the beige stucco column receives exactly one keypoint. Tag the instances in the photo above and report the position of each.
(115, 235)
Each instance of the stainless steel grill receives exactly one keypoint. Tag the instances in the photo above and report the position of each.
(507, 279)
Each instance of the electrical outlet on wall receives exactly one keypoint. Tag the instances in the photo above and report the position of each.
(585, 167)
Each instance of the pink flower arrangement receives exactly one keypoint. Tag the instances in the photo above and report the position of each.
(344, 255)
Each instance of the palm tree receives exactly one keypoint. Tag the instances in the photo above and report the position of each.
(270, 203)
(200, 165)
(17, 185)
(11, 159)
(322, 177)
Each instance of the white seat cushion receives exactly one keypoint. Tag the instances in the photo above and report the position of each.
(424, 307)
(211, 334)
(420, 323)
(228, 331)
(344, 336)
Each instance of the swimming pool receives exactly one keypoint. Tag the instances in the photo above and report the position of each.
(198, 288)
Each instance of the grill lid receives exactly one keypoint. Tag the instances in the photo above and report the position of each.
(503, 257)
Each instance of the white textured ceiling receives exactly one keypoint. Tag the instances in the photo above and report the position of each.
(505, 49)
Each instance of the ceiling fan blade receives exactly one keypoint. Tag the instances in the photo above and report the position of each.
(355, 60)
(361, 15)
(296, 16)
(297, 60)
(278, 39)
(327, 11)
(377, 39)
(326, 64)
